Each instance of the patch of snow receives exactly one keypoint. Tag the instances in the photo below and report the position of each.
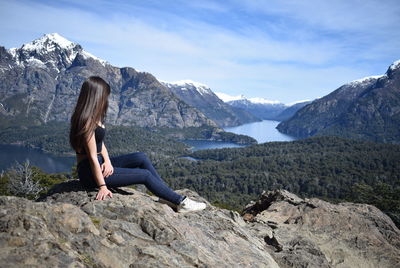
(48, 42)
(392, 67)
(365, 79)
(35, 62)
(395, 65)
(188, 82)
(225, 97)
(201, 88)
(296, 102)
(72, 56)
(88, 55)
(263, 101)
(13, 52)
(52, 64)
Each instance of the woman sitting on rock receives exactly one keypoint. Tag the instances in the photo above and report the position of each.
(95, 168)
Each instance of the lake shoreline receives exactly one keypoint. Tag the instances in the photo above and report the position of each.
(264, 131)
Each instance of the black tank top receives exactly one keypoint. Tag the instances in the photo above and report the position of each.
(99, 134)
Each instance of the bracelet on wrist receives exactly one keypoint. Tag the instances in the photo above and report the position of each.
(102, 185)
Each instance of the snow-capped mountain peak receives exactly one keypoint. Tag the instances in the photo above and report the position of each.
(395, 65)
(48, 42)
(366, 79)
(227, 98)
(189, 84)
(373, 78)
(46, 51)
(264, 101)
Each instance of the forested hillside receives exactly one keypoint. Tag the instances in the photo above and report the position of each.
(53, 137)
(366, 109)
(331, 168)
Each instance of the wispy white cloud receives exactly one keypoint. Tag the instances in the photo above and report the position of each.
(366, 29)
(339, 15)
(286, 50)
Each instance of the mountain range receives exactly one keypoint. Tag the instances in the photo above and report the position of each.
(203, 98)
(40, 82)
(263, 108)
(367, 108)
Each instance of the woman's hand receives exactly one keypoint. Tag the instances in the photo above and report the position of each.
(107, 169)
(103, 192)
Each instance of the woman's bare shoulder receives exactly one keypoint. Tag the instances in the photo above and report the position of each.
(100, 124)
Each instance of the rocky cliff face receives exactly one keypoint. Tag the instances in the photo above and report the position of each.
(41, 80)
(367, 108)
(68, 228)
(203, 98)
(130, 230)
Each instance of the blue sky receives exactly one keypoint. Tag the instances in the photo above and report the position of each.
(278, 50)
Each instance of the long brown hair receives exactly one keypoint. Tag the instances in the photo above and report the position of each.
(90, 108)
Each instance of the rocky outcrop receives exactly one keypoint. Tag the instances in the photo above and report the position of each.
(132, 229)
(315, 233)
(68, 228)
(367, 108)
(40, 82)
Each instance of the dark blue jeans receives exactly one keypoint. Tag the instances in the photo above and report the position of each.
(134, 168)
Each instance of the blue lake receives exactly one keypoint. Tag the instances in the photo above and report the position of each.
(45, 161)
(201, 145)
(264, 131)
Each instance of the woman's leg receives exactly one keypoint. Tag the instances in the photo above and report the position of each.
(129, 176)
(136, 168)
(134, 160)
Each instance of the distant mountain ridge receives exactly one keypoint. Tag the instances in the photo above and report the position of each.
(203, 98)
(263, 108)
(367, 108)
(291, 110)
(40, 82)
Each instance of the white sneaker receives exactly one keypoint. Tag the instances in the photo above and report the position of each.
(188, 205)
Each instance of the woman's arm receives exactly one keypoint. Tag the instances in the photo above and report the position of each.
(90, 147)
(106, 167)
(104, 153)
